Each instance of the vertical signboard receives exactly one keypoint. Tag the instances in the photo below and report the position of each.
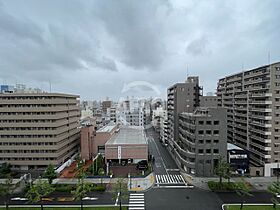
(119, 152)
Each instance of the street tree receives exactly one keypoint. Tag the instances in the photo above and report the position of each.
(7, 189)
(82, 188)
(101, 173)
(39, 190)
(242, 190)
(50, 173)
(221, 169)
(120, 191)
(274, 189)
(5, 170)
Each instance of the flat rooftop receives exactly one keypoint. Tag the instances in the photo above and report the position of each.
(107, 128)
(128, 135)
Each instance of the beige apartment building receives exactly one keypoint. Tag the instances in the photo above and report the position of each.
(37, 129)
(252, 99)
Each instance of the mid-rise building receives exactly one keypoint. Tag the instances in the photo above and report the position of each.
(38, 129)
(252, 99)
(86, 147)
(201, 140)
(181, 97)
(105, 105)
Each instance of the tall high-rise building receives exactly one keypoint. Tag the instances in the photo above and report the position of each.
(38, 129)
(252, 99)
(181, 97)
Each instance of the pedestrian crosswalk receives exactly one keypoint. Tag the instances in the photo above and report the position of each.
(136, 201)
(170, 179)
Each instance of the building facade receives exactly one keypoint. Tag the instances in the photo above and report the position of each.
(181, 97)
(252, 99)
(202, 140)
(86, 147)
(37, 129)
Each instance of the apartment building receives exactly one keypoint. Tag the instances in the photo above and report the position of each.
(252, 99)
(202, 140)
(181, 97)
(37, 129)
(105, 105)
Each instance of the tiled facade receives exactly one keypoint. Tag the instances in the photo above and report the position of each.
(38, 129)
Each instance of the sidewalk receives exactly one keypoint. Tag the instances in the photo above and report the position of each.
(258, 183)
(134, 184)
(141, 184)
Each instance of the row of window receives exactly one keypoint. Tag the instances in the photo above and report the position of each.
(208, 132)
(208, 151)
(24, 159)
(27, 151)
(27, 121)
(26, 128)
(27, 143)
(208, 141)
(32, 97)
(208, 122)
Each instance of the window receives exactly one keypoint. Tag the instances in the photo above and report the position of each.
(216, 122)
(200, 132)
(216, 141)
(200, 141)
(200, 122)
(208, 141)
(208, 122)
(216, 132)
(208, 151)
(200, 151)
(208, 132)
(208, 161)
(216, 151)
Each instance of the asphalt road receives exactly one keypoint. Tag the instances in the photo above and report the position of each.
(182, 199)
(163, 161)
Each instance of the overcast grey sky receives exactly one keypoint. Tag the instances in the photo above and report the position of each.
(97, 48)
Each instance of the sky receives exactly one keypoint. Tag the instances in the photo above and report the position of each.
(111, 48)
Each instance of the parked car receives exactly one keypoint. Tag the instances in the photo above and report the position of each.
(142, 165)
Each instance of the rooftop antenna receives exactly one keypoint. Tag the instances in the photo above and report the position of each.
(268, 58)
(187, 71)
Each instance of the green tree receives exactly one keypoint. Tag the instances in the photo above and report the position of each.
(101, 173)
(120, 191)
(242, 190)
(221, 169)
(39, 190)
(7, 189)
(82, 188)
(274, 189)
(50, 173)
(5, 170)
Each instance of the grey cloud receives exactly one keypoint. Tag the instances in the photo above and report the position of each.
(29, 47)
(135, 26)
(197, 46)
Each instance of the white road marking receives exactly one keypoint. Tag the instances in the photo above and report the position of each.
(136, 201)
(116, 203)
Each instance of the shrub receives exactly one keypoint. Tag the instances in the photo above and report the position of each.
(64, 187)
(99, 188)
(231, 186)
